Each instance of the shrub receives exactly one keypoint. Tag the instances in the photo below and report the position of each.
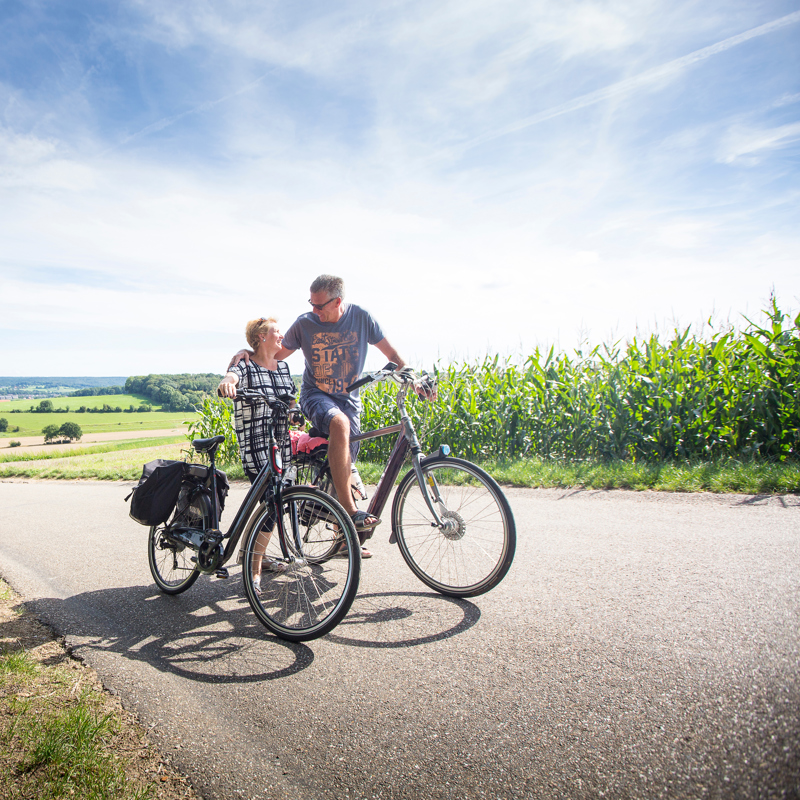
(14, 443)
(3, 424)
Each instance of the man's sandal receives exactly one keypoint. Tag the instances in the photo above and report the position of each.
(360, 520)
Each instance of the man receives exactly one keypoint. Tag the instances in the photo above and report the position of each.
(334, 337)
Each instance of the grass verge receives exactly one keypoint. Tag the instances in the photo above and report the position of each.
(717, 475)
(105, 466)
(109, 447)
(61, 734)
(124, 462)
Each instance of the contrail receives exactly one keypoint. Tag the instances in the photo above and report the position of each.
(622, 87)
(167, 121)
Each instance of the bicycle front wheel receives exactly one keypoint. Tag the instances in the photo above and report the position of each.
(295, 587)
(473, 552)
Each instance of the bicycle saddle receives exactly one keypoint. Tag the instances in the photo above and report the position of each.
(207, 445)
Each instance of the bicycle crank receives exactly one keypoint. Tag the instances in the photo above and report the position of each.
(210, 552)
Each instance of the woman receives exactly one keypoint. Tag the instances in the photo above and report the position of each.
(268, 375)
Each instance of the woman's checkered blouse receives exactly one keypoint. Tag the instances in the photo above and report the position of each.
(248, 419)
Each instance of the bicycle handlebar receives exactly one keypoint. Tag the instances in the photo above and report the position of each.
(405, 375)
(359, 383)
(251, 395)
(381, 374)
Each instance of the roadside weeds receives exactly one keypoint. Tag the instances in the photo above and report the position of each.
(61, 733)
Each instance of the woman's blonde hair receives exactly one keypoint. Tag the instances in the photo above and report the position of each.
(255, 328)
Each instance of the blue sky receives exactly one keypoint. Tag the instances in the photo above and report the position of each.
(486, 176)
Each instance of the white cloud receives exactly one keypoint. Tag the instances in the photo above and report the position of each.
(748, 145)
(150, 251)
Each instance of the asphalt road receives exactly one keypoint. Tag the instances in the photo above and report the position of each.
(643, 645)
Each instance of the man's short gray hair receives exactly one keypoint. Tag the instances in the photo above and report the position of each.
(330, 284)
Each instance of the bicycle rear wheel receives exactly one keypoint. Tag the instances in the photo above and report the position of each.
(303, 592)
(474, 552)
(171, 564)
(311, 466)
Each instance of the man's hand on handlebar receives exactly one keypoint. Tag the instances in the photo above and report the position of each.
(425, 387)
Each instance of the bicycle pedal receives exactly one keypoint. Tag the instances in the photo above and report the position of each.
(222, 572)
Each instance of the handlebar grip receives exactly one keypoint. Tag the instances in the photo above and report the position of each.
(359, 383)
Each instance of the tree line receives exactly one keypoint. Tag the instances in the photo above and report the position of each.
(181, 392)
(95, 391)
(47, 407)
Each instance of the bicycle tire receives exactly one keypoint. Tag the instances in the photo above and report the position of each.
(172, 564)
(476, 554)
(310, 596)
(314, 470)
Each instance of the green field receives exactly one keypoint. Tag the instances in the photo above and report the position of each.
(74, 403)
(31, 423)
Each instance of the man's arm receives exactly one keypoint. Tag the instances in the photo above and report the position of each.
(386, 348)
(245, 355)
(242, 355)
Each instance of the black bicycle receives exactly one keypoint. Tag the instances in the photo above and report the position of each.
(301, 557)
(451, 520)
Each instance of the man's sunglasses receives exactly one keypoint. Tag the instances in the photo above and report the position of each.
(317, 307)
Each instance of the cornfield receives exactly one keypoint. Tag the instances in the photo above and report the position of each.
(735, 394)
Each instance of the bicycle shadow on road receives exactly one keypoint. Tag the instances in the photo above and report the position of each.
(404, 619)
(208, 634)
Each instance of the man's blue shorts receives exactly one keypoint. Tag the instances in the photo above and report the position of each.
(320, 408)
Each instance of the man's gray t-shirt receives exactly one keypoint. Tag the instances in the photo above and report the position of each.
(335, 352)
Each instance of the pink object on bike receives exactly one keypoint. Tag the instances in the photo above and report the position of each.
(303, 443)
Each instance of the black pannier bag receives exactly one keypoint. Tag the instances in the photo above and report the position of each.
(203, 473)
(157, 493)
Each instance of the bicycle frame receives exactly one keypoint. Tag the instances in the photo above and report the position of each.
(267, 485)
(407, 440)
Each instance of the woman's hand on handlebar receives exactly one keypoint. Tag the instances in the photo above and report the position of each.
(227, 387)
